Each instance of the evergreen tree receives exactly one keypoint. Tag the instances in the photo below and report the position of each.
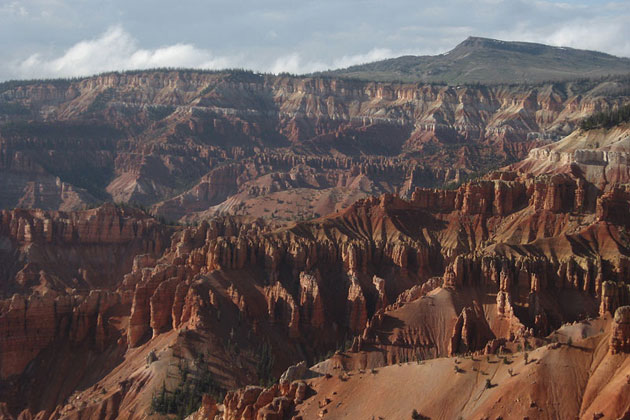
(607, 119)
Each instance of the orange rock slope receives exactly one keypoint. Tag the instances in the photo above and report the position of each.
(499, 262)
(583, 380)
(104, 310)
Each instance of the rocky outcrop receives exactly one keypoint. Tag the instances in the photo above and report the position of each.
(161, 304)
(277, 402)
(471, 331)
(153, 301)
(599, 157)
(29, 325)
(609, 301)
(371, 233)
(239, 404)
(97, 246)
(381, 293)
(282, 308)
(66, 302)
(356, 306)
(294, 373)
(311, 301)
(306, 272)
(620, 339)
(208, 409)
(556, 194)
(504, 305)
(614, 207)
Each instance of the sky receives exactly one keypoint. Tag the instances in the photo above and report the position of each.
(68, 38)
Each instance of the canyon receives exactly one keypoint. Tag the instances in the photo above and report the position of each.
(191, 145)
(483, 267)
(296, 243)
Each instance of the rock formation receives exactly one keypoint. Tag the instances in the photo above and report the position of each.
(66, 301)
(194, 144)
(276, 402)
(405, 271)
(471, 332)
(620, 340)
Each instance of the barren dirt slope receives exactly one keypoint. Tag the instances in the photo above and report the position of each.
(558, 382)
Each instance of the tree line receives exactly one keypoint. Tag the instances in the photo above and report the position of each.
(607, 119)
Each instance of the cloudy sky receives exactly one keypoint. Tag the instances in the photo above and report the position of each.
(59, 38)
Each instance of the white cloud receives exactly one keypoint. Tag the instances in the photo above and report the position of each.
(291, 63)
(611, 35)
(283, 36)
(118, 50)
(295, 63)
(375, 54)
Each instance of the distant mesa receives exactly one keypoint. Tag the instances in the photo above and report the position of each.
(491, 61)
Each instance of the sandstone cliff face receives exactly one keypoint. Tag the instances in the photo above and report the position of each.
(239, 137)
(357, 311)
(62, 251)
(28, 326)
(612, 207)
(57, 269)
(311, 301)
(601, 156)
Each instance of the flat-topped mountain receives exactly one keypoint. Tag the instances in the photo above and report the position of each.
(486, 60)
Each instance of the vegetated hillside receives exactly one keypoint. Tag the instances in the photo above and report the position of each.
(607, 119)
(483, 60)
(193, 144)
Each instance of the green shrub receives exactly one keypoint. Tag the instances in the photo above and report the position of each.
(13, 108)
(157, 113)
(417, 416)
(186, 397)
(606, 119)
(264, 367)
